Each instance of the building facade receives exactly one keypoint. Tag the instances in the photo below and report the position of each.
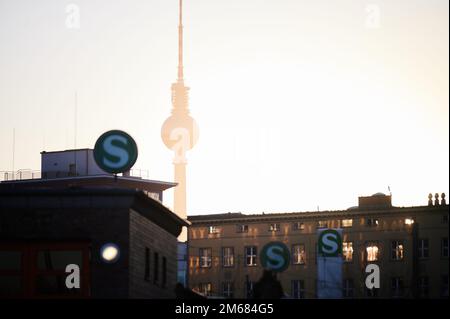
(78, 215)
(409, 244)
(43, 231)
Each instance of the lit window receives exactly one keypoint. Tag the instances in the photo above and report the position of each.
(347, 251)
(444, 247)
(298, 289)
(227, 289)
(397, 250)
(228, 256)
(347, 222)
(213, 230)
(322, 224)
(205, 257)
(274, 227)
(298, 226)
(409, 221)
(298, 254)
(250, 255)
(205, 288)
(242, 228)
(348, 288)
(423, 248)
(372, 252)
(372, 222)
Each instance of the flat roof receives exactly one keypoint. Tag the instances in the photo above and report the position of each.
(91, 180)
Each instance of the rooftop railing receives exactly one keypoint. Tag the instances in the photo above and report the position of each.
(27, 174)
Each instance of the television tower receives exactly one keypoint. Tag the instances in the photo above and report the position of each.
(180, 131)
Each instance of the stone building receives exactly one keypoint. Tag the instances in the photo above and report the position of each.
(410, 245)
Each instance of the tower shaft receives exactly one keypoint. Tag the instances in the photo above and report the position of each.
(180, 194)
(180, 44)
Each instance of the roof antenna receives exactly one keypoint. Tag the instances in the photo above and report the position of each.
(389, 189)
(75, 132)
(13, 149)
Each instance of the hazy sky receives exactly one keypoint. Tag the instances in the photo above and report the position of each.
(299, 103)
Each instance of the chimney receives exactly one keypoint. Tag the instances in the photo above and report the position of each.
(430, 199)
(436, 199)
(443, 199)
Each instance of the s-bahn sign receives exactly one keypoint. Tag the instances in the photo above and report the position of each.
(115, 152)
(329, 263)
(330, 243)
(275, 256)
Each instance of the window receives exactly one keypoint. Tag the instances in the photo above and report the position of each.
(298, 289)
(43, 269)
(147, 264)
(298, 254)
(242, 228)
(72, 169)
(164, 271)
(274, 227)
(347, 223)
(249, 289)
(423, 287)
(213, 230)
(444, 247)
(423, 248)
(371, 293)
(347, 251)
(298, 226)
(10, 273)
(372, 222)
(444, 286)
(397, 250)
(373, 252)
(155, 267)
(250, 255)
(205, 257)
(10, 260)
(322, 224)
(227, 289)
(58, 259)
(348, 288)
(396, 287)
(227, 256)
(205, 288)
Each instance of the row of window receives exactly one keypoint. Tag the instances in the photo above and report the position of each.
(156, 270)
(298, 253)
(344, 223)
(298, 290)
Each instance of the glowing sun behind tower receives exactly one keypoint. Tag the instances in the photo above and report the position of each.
(180, 132)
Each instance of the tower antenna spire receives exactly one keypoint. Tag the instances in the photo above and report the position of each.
(180, 43)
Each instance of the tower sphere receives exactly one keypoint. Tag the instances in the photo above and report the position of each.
(180, 130)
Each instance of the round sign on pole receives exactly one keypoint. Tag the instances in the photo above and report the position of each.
(115, 152)
(330, 243)
(275, 256)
